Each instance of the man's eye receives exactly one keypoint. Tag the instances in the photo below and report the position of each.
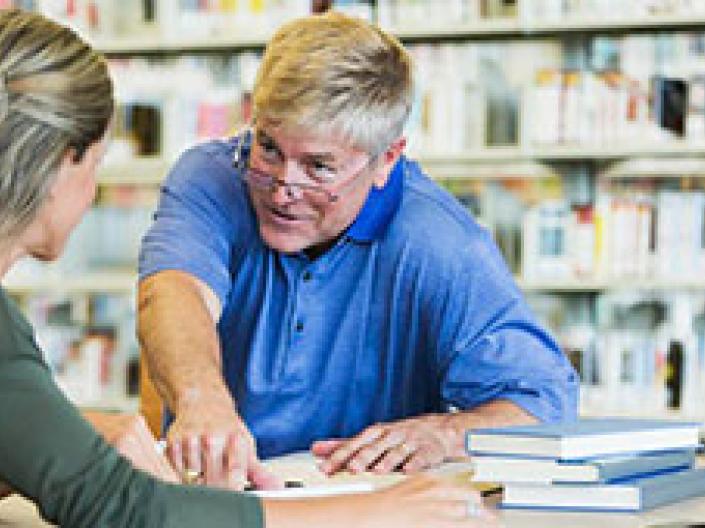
(322, 171)
(269, 150)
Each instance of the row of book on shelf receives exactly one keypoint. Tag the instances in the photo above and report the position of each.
(639, 89)
(605, 91)
(456, 13)
(633, 89)
(635, 236)
(602, 464)
(199, 18)
(171, 20)
(89, 344)
(635, 352)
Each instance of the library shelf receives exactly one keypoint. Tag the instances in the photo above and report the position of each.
(125, 281)
(137, 171)
(152, 42)
(443, 169)
(517, 27)
(675, 159)
(657, 168)
(652, 414)
(115, 404)
(107, 281)
(598, 285)
(564, 153)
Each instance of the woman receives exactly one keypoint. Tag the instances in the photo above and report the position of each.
(55, 107)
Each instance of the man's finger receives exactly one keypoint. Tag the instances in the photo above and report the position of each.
(261, 478)
(368, 455)
(213, 460)
(324, 448)
(421, 459)
(236, 458)
(192, 454)
(393, 458)
(339, 458)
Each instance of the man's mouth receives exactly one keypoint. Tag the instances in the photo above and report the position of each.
(284, 216)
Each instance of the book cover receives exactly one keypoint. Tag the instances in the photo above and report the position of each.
(603, 470)
(586, 438)
(629, 495)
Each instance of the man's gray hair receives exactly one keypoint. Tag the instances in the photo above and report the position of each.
(336, 75)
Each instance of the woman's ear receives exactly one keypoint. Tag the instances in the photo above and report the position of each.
(66, 168)
(387, 160)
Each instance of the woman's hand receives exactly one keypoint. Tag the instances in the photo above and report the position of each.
(128, 433)
(418, 502)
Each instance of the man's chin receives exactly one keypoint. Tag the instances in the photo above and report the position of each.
(283, 243)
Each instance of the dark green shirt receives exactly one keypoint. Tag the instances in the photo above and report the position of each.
(50, 454)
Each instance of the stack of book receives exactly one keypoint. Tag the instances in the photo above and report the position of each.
(592, 464)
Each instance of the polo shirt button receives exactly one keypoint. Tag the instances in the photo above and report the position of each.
(299, 326)
(307, 276)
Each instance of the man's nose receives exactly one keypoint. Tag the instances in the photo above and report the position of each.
(291, 173)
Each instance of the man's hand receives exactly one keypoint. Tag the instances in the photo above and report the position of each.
(208, 440)
(416, 443)
(407, 445)
(133, 440)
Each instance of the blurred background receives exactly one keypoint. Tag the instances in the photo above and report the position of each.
(573, 129)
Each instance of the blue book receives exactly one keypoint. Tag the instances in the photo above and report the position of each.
(629, 495)
(586, 438)
(598, 470)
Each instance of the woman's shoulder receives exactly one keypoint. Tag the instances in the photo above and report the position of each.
(14, 327)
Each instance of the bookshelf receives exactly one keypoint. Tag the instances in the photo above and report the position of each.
(115, 281)
(563, 153)
(137, 171)
(599, 285)
(154, 43)
(512, 28)
(620, 171)
(125, 281)
(636, 161)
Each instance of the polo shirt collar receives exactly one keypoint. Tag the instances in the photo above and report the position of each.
(379, 207)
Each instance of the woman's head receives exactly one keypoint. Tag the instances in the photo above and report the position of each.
(56, 101)
(336, 76)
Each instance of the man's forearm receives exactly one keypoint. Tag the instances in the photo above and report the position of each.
(178, 335)
(495, 413)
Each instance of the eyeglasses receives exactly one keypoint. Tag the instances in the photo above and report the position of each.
(265, 181)
(295, 191)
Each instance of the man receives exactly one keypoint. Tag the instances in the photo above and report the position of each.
(306, 286)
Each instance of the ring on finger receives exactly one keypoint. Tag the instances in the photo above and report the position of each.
(191, 476)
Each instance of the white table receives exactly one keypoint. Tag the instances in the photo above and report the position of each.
(18, 512)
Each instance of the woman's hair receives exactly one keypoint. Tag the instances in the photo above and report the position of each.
(334, 74)
(55, 96)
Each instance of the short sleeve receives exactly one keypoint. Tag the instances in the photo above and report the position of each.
(492, 345)
(202, 215)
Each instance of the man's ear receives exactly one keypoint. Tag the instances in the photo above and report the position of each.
(387, 160)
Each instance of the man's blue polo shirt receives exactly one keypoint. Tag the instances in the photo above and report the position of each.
(413, 310)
